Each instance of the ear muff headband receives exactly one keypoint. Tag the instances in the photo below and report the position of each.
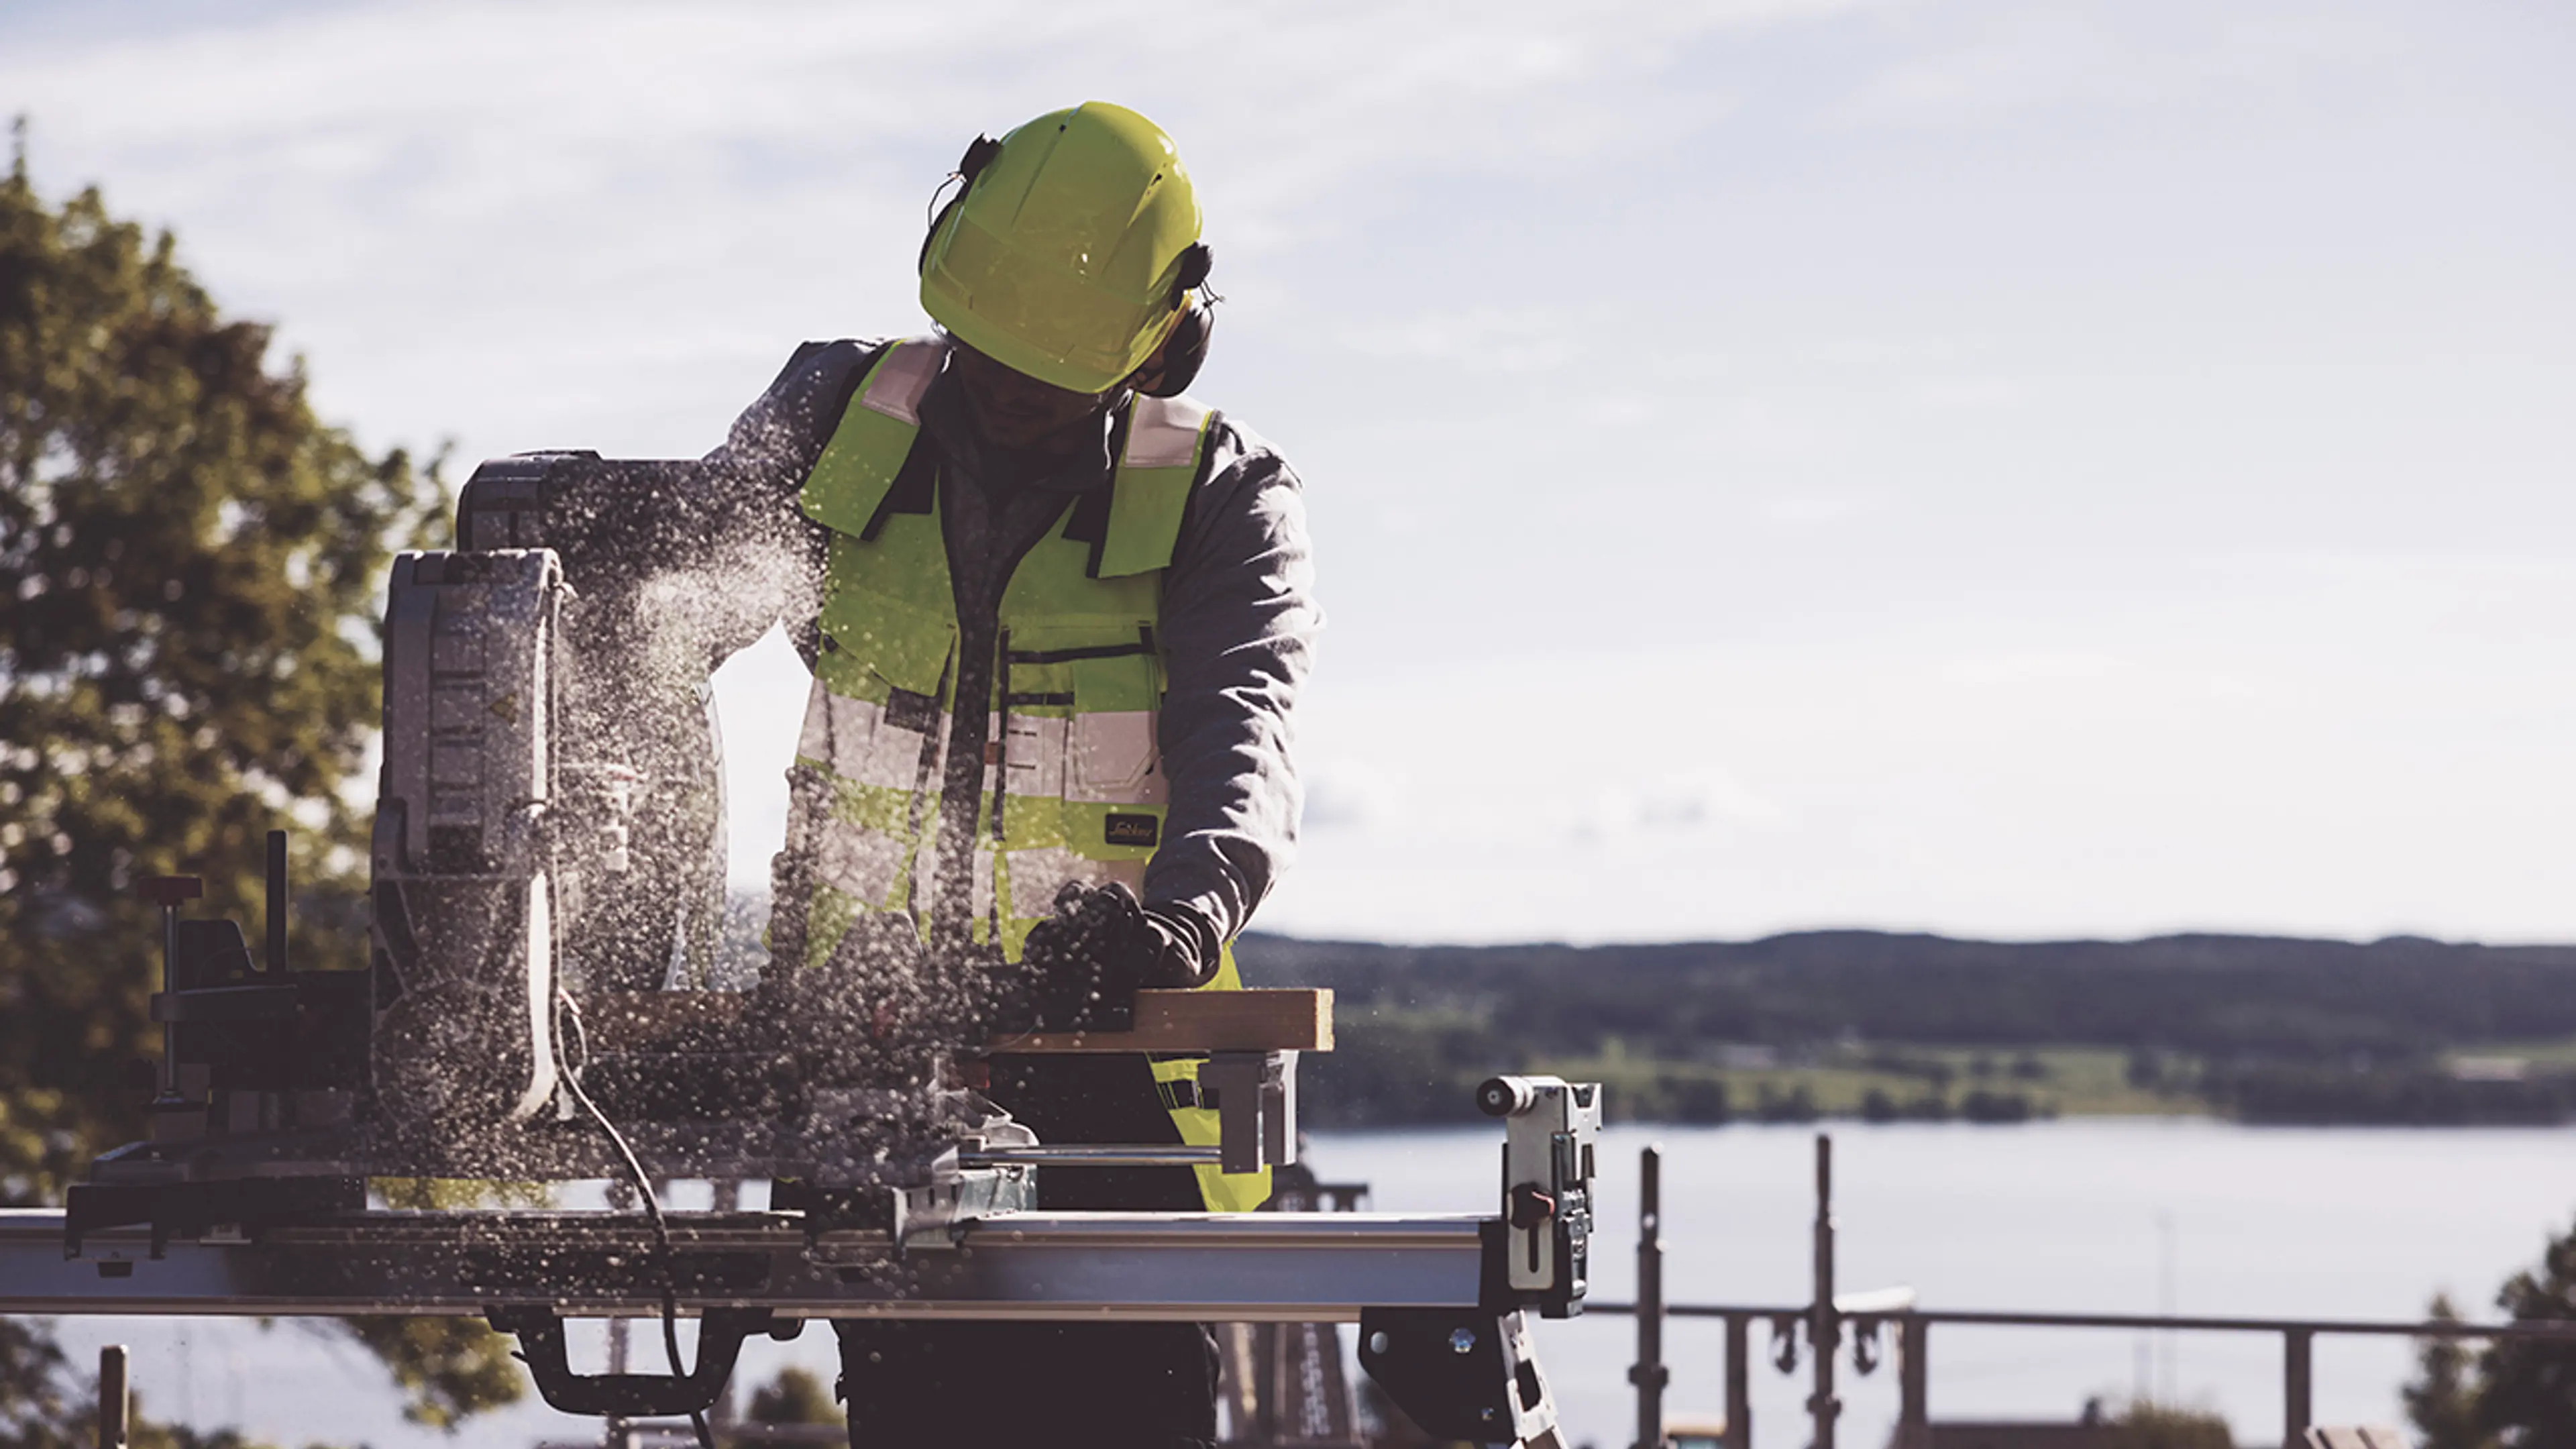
(979, 154)
(1196, 260)
(1184, 352)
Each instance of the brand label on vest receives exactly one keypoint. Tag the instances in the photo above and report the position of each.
(1134, 829)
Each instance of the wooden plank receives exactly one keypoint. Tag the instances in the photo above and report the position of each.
(1203, 1021)
(1166, 1021)
(618, 1022)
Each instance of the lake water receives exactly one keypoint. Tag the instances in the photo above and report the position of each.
(2083, 1215)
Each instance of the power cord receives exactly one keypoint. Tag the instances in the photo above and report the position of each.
(567, 1011)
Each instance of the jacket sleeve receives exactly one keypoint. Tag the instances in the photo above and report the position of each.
(724, 532)
(755, 476)
(1239, 623)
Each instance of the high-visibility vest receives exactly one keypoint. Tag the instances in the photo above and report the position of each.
(1073, 784)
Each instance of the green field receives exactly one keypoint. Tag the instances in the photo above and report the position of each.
(1838, 1082)
(2011, 1083)
(2558, 1052)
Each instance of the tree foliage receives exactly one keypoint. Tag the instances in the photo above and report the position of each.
(2147, 1425)
(190, 563)
(450, 1367)
(2526, 1391)
(43, 1405)
(38, 1408)
(190, 567)
(2516, 1393)
(796, 1396)
(2275, 1029)
(2441, 1400)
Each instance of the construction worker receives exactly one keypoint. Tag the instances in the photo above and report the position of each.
(1064, 615)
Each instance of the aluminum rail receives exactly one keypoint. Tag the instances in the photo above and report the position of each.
(1091, 1157)
(1247, 1267)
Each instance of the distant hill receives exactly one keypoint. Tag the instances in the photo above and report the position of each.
(2274, 1025)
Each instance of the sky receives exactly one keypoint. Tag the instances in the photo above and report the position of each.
(2081, 467)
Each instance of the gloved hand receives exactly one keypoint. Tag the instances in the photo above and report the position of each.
(1090, 958)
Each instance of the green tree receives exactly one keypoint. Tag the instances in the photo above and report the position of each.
(2145, 1425)
(450, 1368)
(190, 567)
(191, 564)
(794, 1397)
(2441, 1400)
(2526, 1391)
(44, 1406)
(38, 1409)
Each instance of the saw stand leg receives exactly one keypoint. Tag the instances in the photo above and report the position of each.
(1462, 1374)
(721, 1332)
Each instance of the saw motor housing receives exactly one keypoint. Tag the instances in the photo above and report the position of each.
(464, 929)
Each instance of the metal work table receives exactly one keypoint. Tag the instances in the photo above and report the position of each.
(1247, 1267)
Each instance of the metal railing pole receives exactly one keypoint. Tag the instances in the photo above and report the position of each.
(1739, 1382)
(2295, 1396)
(1649, 1373)
(1824, 1332)
(115, 1404)
(1914, 1383)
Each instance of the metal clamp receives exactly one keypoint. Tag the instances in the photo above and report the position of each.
(1086, 1154)
(1461, 1374)
(939, 1210)
(1255, 1098)
(1256, 1108)
(1784, 1342)
(1549, 1127)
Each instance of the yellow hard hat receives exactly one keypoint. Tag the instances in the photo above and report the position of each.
(1072, 249)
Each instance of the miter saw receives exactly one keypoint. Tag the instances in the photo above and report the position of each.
(546, 1001)
(546, 890)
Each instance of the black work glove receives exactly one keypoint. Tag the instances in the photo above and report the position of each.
(1089, 959)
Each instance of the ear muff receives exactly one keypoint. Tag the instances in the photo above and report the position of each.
(1177, 362)
(979, 154)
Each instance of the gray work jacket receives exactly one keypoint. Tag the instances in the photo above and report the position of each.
(1237, 629)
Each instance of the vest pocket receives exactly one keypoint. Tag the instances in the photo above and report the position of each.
(866, 743)
(1110, 759)
(893, 641)
(1110, 752)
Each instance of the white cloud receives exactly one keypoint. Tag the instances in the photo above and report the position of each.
(481, 217)
(1967, 394)
(1488, 337)
(1983, 63)
(2019, 793)
(2228, 585)
(1814, 510)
